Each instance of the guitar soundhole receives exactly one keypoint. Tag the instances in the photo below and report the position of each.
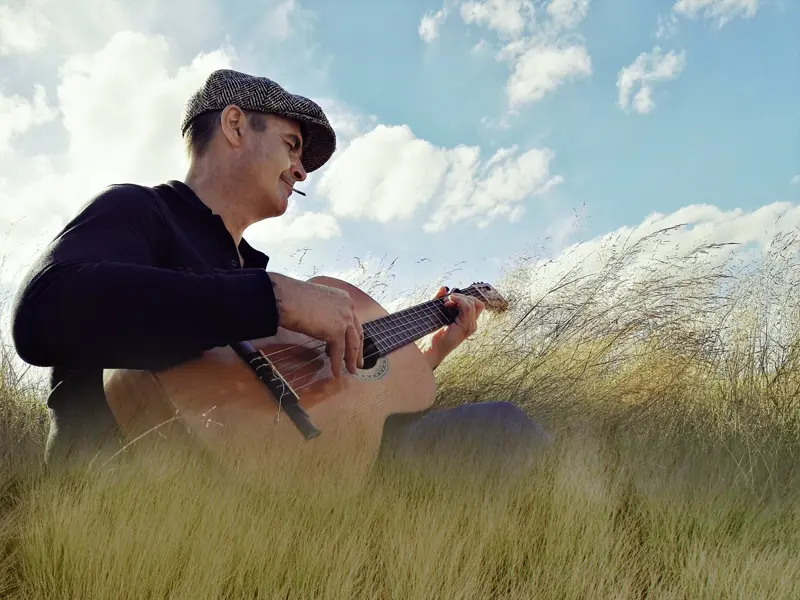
(371, 354)
(375, 366)
(374, 372)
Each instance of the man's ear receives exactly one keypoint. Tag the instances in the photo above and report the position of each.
(232, 123)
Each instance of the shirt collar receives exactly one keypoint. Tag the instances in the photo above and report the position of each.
(253, 258)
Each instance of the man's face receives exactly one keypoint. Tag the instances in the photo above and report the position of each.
(271, 161)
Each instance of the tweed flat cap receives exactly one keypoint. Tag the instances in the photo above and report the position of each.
(259, 94)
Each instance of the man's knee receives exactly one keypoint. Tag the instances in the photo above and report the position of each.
(505, 411)
(511, 419)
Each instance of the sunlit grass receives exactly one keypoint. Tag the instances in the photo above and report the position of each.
(673, 396)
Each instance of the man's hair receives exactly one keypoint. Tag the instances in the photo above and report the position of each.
(202, 129)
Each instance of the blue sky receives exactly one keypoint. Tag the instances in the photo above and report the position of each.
(713, 138)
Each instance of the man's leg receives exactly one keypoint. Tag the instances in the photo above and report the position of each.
(496, 437)
(76, 439)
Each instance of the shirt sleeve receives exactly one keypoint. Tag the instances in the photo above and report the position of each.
(95, 298)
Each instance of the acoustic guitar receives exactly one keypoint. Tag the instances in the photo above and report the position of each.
(275, 398)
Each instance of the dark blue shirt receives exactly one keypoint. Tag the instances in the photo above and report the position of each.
(142, 278)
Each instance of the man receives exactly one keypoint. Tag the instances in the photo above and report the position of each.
(148, 277)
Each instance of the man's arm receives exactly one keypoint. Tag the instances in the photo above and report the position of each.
(433, 357)
(94, 298)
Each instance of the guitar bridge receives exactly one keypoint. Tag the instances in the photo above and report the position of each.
(283, 394)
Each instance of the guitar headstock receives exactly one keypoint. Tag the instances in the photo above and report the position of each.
(490, 297)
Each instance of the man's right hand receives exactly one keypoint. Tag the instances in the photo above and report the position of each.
(324, 313)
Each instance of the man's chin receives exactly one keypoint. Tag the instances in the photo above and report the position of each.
(279, 206)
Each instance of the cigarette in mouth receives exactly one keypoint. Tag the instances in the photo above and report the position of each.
(298, 191)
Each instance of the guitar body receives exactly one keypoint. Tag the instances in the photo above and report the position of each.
(219, 402)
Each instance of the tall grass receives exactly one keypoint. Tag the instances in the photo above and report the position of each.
(670, 382)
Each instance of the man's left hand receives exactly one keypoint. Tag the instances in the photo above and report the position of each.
(445, 340)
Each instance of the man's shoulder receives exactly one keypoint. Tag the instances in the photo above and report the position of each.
(121, 192)
(126, 198)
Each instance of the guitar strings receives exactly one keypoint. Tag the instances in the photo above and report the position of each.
(415, 320)
(320, 378)
(429, 306)
(289, 374)
(390, 331)
(301, 367)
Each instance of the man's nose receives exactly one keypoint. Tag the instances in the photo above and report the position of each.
(298, 172)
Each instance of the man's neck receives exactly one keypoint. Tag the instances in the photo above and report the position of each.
(220, 196)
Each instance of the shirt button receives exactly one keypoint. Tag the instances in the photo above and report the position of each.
(234, 263)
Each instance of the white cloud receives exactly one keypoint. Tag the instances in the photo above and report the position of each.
(18, 115)
(667, 27)
(502, 122)
(568, 13)
(720, 10)
(278, 19)
(483, 193)
(507, 17)
(429, 25)
(292, 228)
(479, 47)
(647, 70)
(695, 226)
(795, 180)
(566, 228)
(541, 69)
(374, 275)
(540, 47)
(23, 30)
(347, 122)
(60, 27)
(718, 276)
(386, 174)
(128, 88)
(389, 174)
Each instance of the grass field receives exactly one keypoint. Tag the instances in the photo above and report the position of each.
(672, 392)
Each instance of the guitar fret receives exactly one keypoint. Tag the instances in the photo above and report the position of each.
(391, 333)
(397, 337)
(385, 337)
(402, 334)
(398, 323)
(438, 315)
(424, 323)
(379, 342)
(414, 325)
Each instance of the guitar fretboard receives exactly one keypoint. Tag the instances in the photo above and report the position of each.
(411, 324)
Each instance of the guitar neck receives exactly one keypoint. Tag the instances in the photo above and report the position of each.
(411, 324)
